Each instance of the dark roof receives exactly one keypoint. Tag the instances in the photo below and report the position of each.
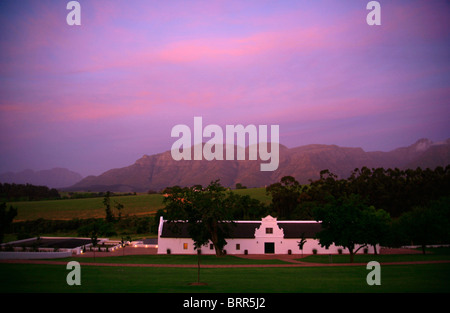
(298, 230)
(62, 243)
(180, 230)
(174, 230)
(246, 230)
(150, 241)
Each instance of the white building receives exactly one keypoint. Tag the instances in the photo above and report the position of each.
(267, 236)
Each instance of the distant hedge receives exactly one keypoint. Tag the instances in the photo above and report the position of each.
(27, 192)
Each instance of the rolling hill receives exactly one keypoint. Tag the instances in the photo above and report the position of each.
(53, 178)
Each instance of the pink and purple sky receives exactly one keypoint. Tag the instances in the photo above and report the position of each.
(101, 95)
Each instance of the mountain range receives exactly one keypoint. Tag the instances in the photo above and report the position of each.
(52, 178)
(155, 172)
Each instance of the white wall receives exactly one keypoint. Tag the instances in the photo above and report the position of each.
(253, 246)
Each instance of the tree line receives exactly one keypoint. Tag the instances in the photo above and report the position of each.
(392, 190)
(26, 192)
(391, 207)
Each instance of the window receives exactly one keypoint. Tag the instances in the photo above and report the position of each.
(185, 246)
(211, 246)
(269, 230)
(238, 246)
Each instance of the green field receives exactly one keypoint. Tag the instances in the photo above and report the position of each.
(432, 254)
(85, 208)
(19, 278)
(141, 204)
(401, 278)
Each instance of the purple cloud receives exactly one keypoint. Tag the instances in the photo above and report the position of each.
(103, 94)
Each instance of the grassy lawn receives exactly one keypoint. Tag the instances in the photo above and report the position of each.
(433, 254)
(174, 259)
(429, 278)
(85, 208)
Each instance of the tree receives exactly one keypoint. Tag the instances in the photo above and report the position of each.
(119, 207)
(425, 225)
(92, 231)
(206, 211)
(285, 197)
(376, 226)
(345, 222)
(302, 242)
(319, 193)
(107, 203)
(245, 207)
(95, 229)
(6, 218)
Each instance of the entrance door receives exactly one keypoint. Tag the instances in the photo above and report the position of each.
(269, 247)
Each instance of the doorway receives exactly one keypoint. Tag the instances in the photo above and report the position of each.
(269, 247)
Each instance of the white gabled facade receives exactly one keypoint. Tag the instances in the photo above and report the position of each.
(268, 236)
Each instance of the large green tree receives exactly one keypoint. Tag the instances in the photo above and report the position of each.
(376, 225)
(207, 212)
(349, 222)
(427, 225)
(285, 198)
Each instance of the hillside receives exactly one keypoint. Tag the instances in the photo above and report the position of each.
(53, 178)
(304, 163)
(134, 205)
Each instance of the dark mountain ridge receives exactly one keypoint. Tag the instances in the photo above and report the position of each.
(155, 172)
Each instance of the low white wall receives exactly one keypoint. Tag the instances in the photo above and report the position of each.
(10, 255)
(76, 250)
